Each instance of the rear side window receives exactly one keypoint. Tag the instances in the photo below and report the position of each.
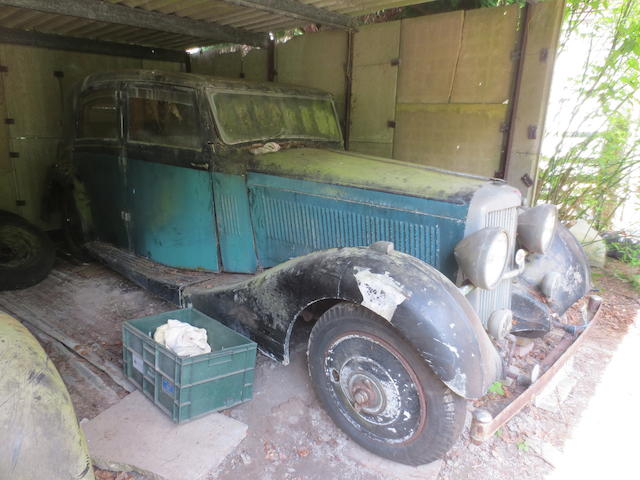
(99, 115)
(163, 117)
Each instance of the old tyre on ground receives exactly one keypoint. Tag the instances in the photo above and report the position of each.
(378, 390)
(26, 253)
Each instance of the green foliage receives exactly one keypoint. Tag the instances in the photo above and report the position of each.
(627, 252)
(497, 388)
(522, 446)
(598, 151)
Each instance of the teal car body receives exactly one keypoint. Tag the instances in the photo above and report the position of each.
(232, 177)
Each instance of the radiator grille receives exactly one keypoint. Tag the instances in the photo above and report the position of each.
(499, 297)
(302, 227)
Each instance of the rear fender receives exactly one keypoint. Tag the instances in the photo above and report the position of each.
(416, 299)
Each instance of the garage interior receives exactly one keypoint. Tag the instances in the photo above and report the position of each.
(422, 82)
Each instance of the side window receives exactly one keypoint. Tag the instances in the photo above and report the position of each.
(99, 115)
(163, 117)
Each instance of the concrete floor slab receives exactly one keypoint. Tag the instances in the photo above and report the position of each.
(391, 470)
(135, 432)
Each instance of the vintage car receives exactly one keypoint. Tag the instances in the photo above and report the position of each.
(238, 199)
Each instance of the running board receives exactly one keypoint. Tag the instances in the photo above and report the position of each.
(166, 282)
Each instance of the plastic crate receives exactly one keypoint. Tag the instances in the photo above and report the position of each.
(189, 387)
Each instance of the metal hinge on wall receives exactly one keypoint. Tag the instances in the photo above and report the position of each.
(126, 216)
(4, 69)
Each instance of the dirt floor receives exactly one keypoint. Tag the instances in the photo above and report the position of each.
(290, 436)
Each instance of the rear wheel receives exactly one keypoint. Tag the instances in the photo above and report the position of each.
(26, 253)
(376, 388)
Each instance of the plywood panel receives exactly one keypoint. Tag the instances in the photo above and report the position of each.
(485, 68)
(5, 160)
(162, 65)
(36, 157)
(254, 65)
(210, 62)
(428, 51)
(33, 94)
(373, 103)
(464, 138)
(376, 43)
(228, 65)
(315, 60)
(373, 88)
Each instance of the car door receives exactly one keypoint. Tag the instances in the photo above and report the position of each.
(99, 161)
(169, 186)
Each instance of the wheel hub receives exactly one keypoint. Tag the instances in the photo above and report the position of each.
(366, 394)
(374, 388)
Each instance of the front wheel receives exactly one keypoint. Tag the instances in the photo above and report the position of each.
(378, 390)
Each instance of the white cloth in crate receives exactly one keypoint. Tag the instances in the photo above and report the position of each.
(182, 339)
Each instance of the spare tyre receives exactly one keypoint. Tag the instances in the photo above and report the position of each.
(26, 253)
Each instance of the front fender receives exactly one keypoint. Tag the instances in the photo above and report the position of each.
(535, 298)
(424, 306)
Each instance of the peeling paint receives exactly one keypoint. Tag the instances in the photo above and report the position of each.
(451, 348)
(380, 293)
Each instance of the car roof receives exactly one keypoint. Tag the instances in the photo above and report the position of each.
(195, 81)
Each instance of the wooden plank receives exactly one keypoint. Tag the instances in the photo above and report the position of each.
(102, 11)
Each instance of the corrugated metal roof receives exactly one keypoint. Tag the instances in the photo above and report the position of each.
(230, 13)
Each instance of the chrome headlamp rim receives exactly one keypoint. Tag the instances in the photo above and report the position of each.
(537, 227)
(483, 256)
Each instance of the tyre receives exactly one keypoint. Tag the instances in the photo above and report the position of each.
(26, 253)
(378, 390)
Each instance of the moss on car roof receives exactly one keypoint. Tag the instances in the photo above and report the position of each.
(194, 80)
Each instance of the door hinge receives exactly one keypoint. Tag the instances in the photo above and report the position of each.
(21, 203)
(504, 127)
(58, 74)
(14, 154)
(126, 216)
(9, 121)
(527, 180)
(532, 132)
(4, 69)
(391, 123)
(394, 62)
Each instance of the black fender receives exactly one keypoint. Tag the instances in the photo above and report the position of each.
(533, 302)
(416, 299)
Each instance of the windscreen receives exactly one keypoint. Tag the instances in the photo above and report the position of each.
(259, 116)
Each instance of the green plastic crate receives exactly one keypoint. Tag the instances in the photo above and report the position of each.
(189, 387)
